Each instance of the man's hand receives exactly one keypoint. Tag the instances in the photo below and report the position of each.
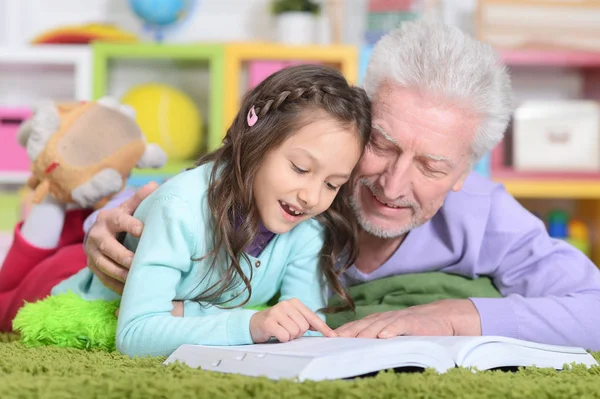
(445, 317)
(107, 258)
(286, 321)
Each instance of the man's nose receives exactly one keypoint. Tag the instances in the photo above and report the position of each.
(396, 179)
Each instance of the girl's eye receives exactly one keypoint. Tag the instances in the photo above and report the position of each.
(298, 170)
(331, 186)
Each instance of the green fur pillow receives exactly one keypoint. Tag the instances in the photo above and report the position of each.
(68, 321)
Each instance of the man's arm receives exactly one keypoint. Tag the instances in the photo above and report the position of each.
(107, 257)
(551, 290)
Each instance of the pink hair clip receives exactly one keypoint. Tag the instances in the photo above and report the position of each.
(252, 118)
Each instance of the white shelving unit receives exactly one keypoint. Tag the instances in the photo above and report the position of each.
(48, 58)
(29, 74)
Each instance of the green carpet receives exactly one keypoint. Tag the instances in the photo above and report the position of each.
(50, 372)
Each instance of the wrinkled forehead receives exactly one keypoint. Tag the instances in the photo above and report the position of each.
(410, 117)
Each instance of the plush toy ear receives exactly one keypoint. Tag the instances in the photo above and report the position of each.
(154, 157)
(102, 184)
(24, 132)
(113, 103)
(35, 133)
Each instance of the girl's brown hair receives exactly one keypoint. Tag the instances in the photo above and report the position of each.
(284, 102)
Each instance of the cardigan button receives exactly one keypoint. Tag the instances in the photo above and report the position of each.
(257, 264)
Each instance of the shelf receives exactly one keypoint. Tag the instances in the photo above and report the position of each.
(345, 57)
(139, 177)
(211, 54)
(574, 59)
(547, 188)
(78, 57)
(170, 169)
(14, 177)
(44, 54)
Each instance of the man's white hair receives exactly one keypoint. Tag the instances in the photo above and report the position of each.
(444, 61)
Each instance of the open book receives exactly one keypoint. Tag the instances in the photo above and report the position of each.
(318, 358)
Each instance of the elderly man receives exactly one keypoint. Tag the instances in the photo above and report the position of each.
(440, 101)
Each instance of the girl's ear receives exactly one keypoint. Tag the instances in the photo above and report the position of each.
(154, 157)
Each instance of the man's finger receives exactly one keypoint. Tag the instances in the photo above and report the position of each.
(112, 249)
(109, 282)
(132, 203)
(118, 221)
(110, 268)
(373, 329)
(344, 327)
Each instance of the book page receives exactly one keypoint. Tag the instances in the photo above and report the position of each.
(493, 351)
(312, 346)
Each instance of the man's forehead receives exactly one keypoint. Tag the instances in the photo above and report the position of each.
(432, 156)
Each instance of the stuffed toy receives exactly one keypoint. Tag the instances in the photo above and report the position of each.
(82, 153)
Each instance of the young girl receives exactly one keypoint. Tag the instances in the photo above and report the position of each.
(263, 217)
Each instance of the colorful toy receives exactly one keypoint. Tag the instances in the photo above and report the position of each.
(84, 34)
(157, 15)
(168, 117)
(573, 231)
(579, 236)
(83, 152)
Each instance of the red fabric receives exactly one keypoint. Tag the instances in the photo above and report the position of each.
(29, 273)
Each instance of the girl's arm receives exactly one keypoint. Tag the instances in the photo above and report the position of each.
(303, 278)
(163, 256)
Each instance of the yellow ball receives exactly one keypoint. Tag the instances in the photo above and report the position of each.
(168, 117)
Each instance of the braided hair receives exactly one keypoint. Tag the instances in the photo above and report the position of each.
(284, 102)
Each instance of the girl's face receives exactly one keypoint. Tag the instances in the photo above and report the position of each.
(300, 179)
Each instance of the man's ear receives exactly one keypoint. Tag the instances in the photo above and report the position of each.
(461, 181)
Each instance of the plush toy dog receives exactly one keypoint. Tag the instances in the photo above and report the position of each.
(83, 152)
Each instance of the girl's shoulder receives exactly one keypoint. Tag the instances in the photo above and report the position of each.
(189, 187)
(306, 230)
(189, 184)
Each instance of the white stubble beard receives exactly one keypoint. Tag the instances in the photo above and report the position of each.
(370, 227)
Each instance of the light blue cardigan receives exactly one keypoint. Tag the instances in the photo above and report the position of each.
(177, 229)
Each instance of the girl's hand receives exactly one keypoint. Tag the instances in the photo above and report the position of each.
(286, 321)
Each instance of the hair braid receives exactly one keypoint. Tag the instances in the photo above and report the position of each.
(315, 93)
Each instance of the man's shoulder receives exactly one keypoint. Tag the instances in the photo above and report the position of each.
(478, 193)
(477, 185)
(481, 198)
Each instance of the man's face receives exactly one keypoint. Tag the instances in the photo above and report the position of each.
(420, 150)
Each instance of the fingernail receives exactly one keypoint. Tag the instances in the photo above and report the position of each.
(128, 261)
(137, 230)
(385, 334)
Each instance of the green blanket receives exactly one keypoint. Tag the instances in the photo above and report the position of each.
(399, 292)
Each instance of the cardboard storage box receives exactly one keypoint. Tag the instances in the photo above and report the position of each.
(540, 24)
(557, 136)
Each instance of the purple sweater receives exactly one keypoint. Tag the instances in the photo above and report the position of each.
(551, 290)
